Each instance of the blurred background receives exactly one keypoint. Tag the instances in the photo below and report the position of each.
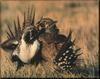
(80, 16)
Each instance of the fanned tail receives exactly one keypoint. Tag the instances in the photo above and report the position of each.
(67, 55)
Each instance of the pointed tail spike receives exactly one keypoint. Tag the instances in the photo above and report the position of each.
(33, 20)
(11, 33)
(77, 50)
(28, 13)
(79, 54)
(31, 14)
(24, 23)
(8, 35)
(69, 37)
(19, 27)
(70, 33)
(15, 28)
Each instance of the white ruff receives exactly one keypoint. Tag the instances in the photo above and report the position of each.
(27, 52)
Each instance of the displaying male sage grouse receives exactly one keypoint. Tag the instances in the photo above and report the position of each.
(24, 43)
(66, 56)
(26, 47)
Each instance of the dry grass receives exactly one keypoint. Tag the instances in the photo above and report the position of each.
(80, 16)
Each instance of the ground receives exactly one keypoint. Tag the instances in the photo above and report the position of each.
(80, 16)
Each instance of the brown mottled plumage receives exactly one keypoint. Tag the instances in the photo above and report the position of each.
(32, 43)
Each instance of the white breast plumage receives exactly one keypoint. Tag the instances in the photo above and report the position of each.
(27, 52)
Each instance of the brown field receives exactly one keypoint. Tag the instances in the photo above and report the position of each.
(80, 16)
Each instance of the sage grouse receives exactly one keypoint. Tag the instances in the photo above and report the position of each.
(24, 43)
(26, 47)
(67, 56)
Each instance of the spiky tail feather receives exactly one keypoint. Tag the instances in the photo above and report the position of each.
(67, 55)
